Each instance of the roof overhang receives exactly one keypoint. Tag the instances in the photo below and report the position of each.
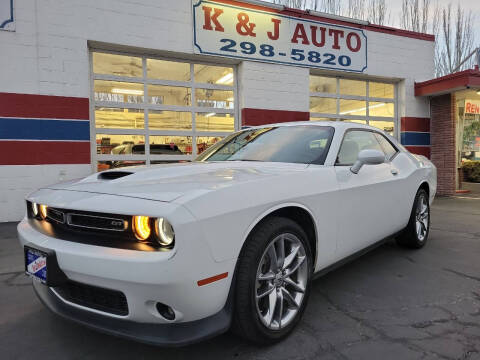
(462, 80)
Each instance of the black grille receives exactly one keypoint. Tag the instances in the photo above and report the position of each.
(110, 301)
(96, 222)
(56, 215)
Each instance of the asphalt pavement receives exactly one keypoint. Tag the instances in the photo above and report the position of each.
(391, 303)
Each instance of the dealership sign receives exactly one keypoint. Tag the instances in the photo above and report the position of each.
(472, 106)
(6, 15)
(249, 33)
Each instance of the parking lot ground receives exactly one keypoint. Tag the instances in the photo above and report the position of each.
(389, 304)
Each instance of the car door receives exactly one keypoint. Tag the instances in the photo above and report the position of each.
(366, 200)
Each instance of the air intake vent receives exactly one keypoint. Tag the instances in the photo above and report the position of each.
(112, 175)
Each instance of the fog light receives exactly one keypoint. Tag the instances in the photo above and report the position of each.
(166, 311)
(43, 211)
(141, 227)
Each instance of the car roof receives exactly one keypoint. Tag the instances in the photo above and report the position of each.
(335, 124)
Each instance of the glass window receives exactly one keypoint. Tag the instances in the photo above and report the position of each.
(168, 95)
(169, 120)
(354, 142)
(116, 91)
(353, 107)
(301, 144)
(364, 122)
(323, 105)
(119, 65)
(119, 118)
(204, 142)
(322, 84)
(381, 90)
(213, 74)
(387, 126)
(315, 118)
(353, 87)
(106, 165)
(220, 99)
(170, 145)
(214, 122)
(387, 147)
(381, 109)
(119, 144)
(168, 70)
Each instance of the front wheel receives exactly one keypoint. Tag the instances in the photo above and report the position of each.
(416, 233)
(273, 281)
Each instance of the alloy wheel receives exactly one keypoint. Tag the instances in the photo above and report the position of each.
(422, 218)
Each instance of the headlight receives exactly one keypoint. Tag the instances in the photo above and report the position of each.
(141, 227)
(35, 209)
(43, 211)
(164, 231)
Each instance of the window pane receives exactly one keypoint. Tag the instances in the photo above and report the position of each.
(353, 87)
(387, 126)
(323, 105)
(110, 118)
(168, 95)
(353, 143)
(381, 109)
(388, 148)
(353, 107)
(312, 118)
(220, 99)
(170, 145)
(120, 144)
(116, 91)
(169, 120)
(119, 65)
(381, 90)
(214, 122)
(203, 142)
(364, 122)
(168, 70)
(323, 84)
(213, 74)
(105, 165)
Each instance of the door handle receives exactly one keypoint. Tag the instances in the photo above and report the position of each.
(394, 171)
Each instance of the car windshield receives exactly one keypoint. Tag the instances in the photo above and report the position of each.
(304, 144)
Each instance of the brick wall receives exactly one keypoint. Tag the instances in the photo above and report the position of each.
(442, 131)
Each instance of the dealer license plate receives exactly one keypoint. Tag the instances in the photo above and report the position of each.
(36, 264)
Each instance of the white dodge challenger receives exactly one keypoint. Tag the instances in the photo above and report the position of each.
(172, 254)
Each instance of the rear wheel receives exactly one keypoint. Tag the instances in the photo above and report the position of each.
(273, 281)
(416, 233)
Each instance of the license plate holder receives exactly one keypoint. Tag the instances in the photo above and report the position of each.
(41, 264)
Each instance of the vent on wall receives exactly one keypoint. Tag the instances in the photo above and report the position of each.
(112, 175)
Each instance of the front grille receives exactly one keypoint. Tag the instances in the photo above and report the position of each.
(56, 215)
(96, 222)
(106, 300)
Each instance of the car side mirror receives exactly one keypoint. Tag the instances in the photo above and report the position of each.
(368, 157)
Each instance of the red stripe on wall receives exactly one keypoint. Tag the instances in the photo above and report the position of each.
(419, 150)
(419, 124)
(43, 106)
(44, 152)
(254, 117)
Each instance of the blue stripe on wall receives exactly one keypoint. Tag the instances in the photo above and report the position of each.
(44, 129)
(415, 138)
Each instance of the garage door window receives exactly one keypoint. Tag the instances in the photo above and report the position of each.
(150, 110)
(361, 101)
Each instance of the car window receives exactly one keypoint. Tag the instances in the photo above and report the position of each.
(387, 147)
(354, 142)
(292, 144)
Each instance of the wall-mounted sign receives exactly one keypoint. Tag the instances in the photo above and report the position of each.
(242, 32)
(6, 15)
(472, 106)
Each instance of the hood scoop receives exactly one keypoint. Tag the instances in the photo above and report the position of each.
(112, 175)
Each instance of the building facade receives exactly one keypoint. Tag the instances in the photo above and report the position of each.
(89, 85)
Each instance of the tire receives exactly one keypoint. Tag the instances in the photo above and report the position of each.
(414, 237)
(252, 319)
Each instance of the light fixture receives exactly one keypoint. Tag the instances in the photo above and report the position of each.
(35, 209)
(43, 211)
(126, 91)
(164, 231)
(362, 109)
(230, 99)
(141, 227)
(209, 114)
(478, 92)
(226, 79)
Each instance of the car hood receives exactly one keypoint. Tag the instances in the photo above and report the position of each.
(169, 182)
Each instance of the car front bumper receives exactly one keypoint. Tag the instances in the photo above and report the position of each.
(145, 278)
